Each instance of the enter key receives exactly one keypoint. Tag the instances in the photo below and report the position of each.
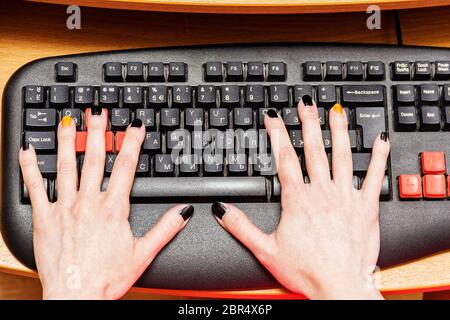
(372, 122)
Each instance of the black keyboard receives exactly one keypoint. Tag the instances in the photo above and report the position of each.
(197, 98)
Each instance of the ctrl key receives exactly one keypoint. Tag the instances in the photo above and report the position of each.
(410, 186)
(42, 140)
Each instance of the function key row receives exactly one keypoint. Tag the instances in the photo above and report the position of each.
(420, 70)
(348, 71)
(217, 71)
(229, 96)
(150, 72)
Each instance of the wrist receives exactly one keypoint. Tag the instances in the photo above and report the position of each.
(72, 294)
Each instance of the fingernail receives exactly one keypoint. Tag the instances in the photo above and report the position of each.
(219, 209)
(384, 136)
(338, 109)
(307, 100)
(137, 123)
(66, 121)
(25, 144)
(96, 111)
(272, 113)
(187, 212)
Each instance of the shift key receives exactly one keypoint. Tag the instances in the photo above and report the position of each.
(372, 123)
(42, 140)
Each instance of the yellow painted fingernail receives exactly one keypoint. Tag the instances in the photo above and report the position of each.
(66, 121)
(338, 108)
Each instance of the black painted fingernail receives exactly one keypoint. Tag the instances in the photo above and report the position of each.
(25, 144)
(272, 113)
(219, 209)
(187, 212)
(137, 123)
(384, 136)
(307, 100)
(96, 111)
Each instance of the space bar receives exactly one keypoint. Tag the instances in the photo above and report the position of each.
(159, 187)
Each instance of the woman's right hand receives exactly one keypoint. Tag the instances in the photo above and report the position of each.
(327, 242)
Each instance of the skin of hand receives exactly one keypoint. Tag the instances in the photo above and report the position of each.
(83, 244)
(327, 242)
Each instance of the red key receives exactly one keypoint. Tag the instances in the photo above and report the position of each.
(80, 141)
(410, 186)
(119, 139)
(109, 141)
(434, 186)
(433, 162)
(87, 114)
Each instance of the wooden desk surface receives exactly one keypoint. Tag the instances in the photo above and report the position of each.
(30, 31)
(251, 6)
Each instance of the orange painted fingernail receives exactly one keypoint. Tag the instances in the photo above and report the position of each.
(338, 108)
(66, 121)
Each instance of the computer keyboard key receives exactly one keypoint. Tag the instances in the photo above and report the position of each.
(363, 95)
(181, 96)
(157, 96)
(356, 182)
(47, 164)
(333, 71)
(446, 118)
(410, 186)
(326, 95)
(372, 122)
(405, 94)
(277, 71)
(206, 95)
(213, 71)
(147, 116)
(235, 71)
(155, 72)
(406, 118)
(120, 136)
(296, 139)
(177, 72)
(218, 118)
(59, 95)
(434, 186)
(113, 72)
(132, 96)
(164, 165)
(120, 118)
(74, 113)
(375, 71)
(254, 95)
(353, 141)
(230, 96)
(442, 70)
(109, 95)
(109, 163)
(243, 117)
(322, 117)
(264, 164)
(326, 138)
(135, 71)
(34, 95)
(189, 164)
(290, 117)
(300, 91)
(361, 162)
(194, 118)
(212, 165)
(40, 118)
(170, 118)
(430, 118)
(152, 141)
(401, 70)
(109, 141)
(80, 141)
(433, 162)
(65, 72)
(261, 114)
(143, 165)
(255, 71)
(237, 164)
(429, 93)
(41, 140)
(312, 71)
(179, 139)
(83, 95)
(355, 71)
(278, 95)
(422, 70)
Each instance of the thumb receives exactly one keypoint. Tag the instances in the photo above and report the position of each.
(236, 222)
(167, 227)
